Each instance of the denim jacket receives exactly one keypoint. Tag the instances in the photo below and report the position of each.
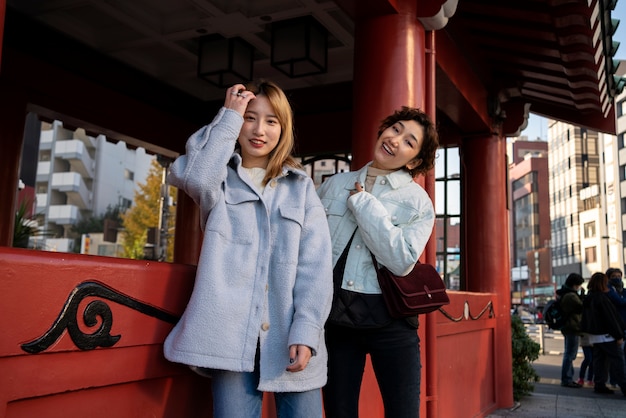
(394, 222)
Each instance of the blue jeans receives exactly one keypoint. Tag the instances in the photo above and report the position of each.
(395, 356)
(569, 355)
(235, 395)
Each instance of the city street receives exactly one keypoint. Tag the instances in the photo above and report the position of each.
(551, 400)
(551, 341)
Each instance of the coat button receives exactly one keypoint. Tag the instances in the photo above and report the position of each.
(358, 246)
(265, 326)
(350, 282)
(383, 181)
(273, 183)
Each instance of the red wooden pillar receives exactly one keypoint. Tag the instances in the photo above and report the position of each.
(388, 73)
(12, 119)
(188, 236)
(3, 12)
(429, 346)
(487, 258)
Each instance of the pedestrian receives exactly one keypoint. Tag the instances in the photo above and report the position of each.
(572, 307)
(263, 289)
(618, 297)
(378, 209)
(586, 366)
(606, 332)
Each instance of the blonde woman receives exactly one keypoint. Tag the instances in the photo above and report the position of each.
(263, 289)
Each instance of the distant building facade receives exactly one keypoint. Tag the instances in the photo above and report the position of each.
(615, 178)
(530, 222)
(575, 200)
(80, 176)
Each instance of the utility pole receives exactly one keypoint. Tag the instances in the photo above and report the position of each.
(164, 210)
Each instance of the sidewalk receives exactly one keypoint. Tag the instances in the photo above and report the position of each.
(551, 400)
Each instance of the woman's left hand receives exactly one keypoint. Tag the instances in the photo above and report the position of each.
(299, 356)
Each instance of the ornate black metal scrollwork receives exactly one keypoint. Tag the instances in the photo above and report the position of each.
(467, 314)
(68, 318)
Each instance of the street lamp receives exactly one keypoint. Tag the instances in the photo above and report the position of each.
(613, 238)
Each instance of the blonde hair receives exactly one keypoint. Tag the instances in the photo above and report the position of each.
(283, 153)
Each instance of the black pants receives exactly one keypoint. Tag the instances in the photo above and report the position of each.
(608, 356)
(395, 356)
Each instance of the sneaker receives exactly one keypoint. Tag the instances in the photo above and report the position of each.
(581, 382)
(589, 383)
(603, 390)
(571, 385)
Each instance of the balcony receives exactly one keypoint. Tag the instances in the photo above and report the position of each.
(45, 140)
(42, 202)
(75, 152)
(63, 245)
(63, 214)
(43, 171)
(74, 187)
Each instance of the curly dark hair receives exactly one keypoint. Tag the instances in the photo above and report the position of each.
(430, 142)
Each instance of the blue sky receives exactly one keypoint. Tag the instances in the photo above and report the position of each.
(537, 126)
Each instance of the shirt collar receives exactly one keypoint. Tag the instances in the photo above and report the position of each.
(396, 178)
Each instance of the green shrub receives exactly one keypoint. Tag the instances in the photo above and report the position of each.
(525, 351)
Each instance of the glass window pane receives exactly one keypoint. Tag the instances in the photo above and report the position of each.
(440, 197)
(454, 197)
(453, 163)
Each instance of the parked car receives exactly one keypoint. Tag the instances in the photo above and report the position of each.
(524, 314)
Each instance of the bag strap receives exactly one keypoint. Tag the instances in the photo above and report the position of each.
(340, 265)
(374, 261)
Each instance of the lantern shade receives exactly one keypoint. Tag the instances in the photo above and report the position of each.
(224, 62)
(299, 47)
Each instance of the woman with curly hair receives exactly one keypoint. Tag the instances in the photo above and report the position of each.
(378, 209)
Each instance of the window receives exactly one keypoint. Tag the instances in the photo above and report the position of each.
(589, 229)
(590, 255)
(69, 214)
(448, 213)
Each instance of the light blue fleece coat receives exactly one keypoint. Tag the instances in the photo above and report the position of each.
(395, 221)
(264, 274)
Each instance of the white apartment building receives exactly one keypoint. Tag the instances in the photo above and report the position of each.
(616, 231)
(575, 200)
(79, 176)
(611, 234)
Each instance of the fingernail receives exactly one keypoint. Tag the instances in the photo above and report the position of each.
(292, 360)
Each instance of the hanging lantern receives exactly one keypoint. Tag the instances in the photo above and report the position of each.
(224, 62)
(299, 47)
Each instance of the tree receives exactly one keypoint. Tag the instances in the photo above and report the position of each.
(145, 214)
